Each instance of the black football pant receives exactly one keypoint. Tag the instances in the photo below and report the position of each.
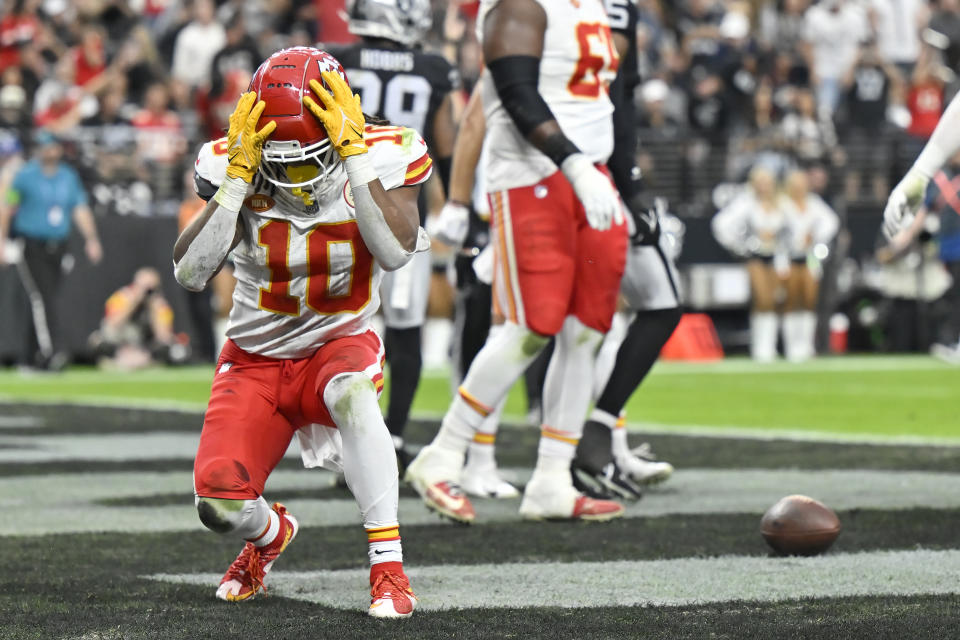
(41, 272)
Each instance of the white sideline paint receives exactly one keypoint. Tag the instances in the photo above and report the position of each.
(151, 445)
(20, 422)
(650, 582)
(65, 503)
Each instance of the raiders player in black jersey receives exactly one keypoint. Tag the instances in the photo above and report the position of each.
(408, 87)
(604, 465)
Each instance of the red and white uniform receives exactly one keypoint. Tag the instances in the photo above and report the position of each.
(307, 287)
(578, 64)
(549, 263)
(305, 279)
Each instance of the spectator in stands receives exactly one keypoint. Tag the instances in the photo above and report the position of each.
(196, 45)
(897, 25)
(18, 27)
(137, 326)
(89, 57)
(14, 116)
(759, 142)
(811, 227)
(240, 53)
(944, 31)
(781, 24)
(870, 83)
(753, 226)
(810, 138)
(698, 29)
(113, 109)
(654, 113)
(44, 199)
(925, 98)
(158, 137)
(833, 30)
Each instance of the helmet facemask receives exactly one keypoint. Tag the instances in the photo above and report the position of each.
(300, 171)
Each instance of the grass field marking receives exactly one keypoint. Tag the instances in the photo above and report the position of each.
(652, 582)
(68, 502)
(20, 422)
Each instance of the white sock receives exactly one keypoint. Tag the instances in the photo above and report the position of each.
(620, 446)
(270, 531)
(383, 543)
(607, 355)
(499, 364)
(809, 325)
(480, 454)
(794, 337)
(567, 390)
(369, 459)
(763, 336)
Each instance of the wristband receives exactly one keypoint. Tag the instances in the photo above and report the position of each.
(231, 194)
(359, 170)
(559, 148)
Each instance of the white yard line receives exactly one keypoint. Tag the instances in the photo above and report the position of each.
(682, 581)
(69, 502)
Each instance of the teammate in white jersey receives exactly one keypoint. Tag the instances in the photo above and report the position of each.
(315, 206)
(560, 242)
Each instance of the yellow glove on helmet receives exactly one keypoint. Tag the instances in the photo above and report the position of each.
(244, 142)
(341, 114)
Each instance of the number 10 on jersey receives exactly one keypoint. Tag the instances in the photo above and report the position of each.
(338, 269)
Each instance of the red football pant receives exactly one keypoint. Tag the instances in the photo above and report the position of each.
(549, 262)
(257, 404)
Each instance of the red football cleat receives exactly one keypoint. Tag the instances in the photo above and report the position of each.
(586, 508)
(391, 595)
(244, 578)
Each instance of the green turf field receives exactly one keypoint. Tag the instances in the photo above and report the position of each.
(102, 541)
(905, 396)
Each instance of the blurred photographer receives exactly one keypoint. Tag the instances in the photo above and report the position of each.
(137, 328)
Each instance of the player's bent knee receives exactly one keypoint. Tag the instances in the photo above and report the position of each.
(533, 341)
(221, 515)
(345, 390)
(544, 324)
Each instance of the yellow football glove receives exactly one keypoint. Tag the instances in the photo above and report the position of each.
(244, 142)
(340, 115)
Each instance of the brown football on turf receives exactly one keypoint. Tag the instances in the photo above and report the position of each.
(799, 526)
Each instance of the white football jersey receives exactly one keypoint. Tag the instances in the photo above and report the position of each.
(305, 279)
(578, 64)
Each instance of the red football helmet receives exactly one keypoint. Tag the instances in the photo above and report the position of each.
(281, 82)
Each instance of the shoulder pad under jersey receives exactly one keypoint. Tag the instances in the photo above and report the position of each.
(210, 168)
(399, 155)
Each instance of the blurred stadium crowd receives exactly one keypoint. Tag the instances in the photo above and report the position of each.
(847, 90)
(847, 87)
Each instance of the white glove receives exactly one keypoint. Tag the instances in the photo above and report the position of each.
(452, 224)
(595, 190)
(904, 201)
